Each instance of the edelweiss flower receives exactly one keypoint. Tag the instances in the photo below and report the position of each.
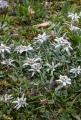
(64, 80)
(76, 70)
(74, 17)
(6, 97)
(52, 67)
(58, 40)
(4, 48)
(61, 42)
(32, 61)
(73, 28)
(67, 46)
(20, 49)
(21, 102)
(41, 38)
(3, 4)
(36, 67)
(7, 62)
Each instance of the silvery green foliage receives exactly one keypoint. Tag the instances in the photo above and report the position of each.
(52, 67)
(20, 49)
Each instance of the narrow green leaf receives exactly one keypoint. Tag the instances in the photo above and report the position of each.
(65, 9)
(25, 3)
(77, 39)
(73, 8)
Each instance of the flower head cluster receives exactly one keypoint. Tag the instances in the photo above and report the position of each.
(76, 70)
(3, 4)
(31, 61)
(21, 102)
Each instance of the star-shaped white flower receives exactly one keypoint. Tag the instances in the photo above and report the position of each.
(36, 67)
(3, 4)
(64, 80)
(41, 38)
(6, 97)
(74, 17)
(20, 49)
(76, 70)
(7, 62)
(31, 61)
(21, 102)
(4, 48)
